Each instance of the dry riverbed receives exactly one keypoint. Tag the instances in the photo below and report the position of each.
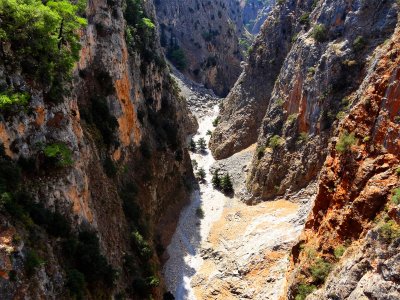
(235, 251)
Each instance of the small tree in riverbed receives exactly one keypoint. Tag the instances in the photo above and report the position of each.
(201, 174)
(192, 146)
(216, 180)
(226, 184)
(201, 143)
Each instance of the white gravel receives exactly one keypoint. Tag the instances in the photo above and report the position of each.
(184, 250)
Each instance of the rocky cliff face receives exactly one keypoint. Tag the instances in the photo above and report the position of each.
(247, 103)
(102, 166)
(318, 59)
(255, 12)
(320, 92)
(356, 212)
(201, 39)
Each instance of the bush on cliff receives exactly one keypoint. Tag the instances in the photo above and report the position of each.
(43, 37)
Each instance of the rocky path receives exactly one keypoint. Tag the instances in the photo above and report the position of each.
(235, 251)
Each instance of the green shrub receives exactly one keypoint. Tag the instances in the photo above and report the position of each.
(199, 213)
(32, 262)
(143, 246)
(76, 283)
(389, 230)
(320, 270)
(216, 122)
(303, 137)
(43, 36)
(260, 152)
(59, 154)
(192, 145)
(359, 43)
(346, 141)
(201, 174)
(86, 254)
(201, 143)
(178, 58)
(305, 19)
(10, 100)
(396, 196)
(216, 180)
(275, 142)
(339, 251)
(226, 184)
(303, 290)
(319, 33)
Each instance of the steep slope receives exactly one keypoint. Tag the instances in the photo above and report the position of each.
(201, 39)
(357, 196)
(100, 165)
(318, 60)
(247, 103)
(255, 12)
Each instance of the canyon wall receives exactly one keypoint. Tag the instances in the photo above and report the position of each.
(319, 96)
(353, 231)
(103, 164)
(201, 38)
(305, 64)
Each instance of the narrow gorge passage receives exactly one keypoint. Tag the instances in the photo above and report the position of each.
(233, 246)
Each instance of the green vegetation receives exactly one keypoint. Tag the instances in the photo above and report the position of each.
(320, 270)
(359, 44)
(216, 180)
(339, 251)
(216, 122)
(305, 19)
(275, 142)
(192, 145)
(177, 57)
(44, 39)
(11, 100)
(98, 114)
(226, 184)
(319, 33)
(84, 255)
(143, 247)
(76, 283)
(200, 213)
(209, 132)
(32, 262)
(223, 183)
(303, 290)
(194, 164)
(389, 231)
(58, 154)
(291, 118)
(303, 137)
(398, 171)
(201, 143)
(201, 174)
(396, 196)
(346, 141)
(260, 152)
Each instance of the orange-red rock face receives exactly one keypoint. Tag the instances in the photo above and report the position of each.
(355, 186)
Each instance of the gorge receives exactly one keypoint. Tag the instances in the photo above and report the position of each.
(230, 149)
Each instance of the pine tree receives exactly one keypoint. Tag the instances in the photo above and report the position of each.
(201, 143)
(226, 184)
(201, 174)
(192, 145)
(216, 180)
